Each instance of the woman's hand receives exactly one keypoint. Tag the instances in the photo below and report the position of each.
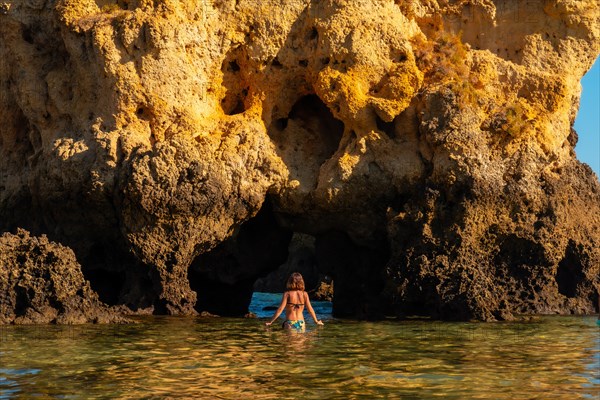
(268, 323)
(319, 322)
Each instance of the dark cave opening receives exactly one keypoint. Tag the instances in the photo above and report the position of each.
(569, 273)
(22, 300)
(221, 298)
(224, 277)
(27, 34)
(348, 275)
(301, 258)
(343, 278)
(117, 277)
(389, 128)
(420, 299)
(357, 272)
(98, 267)
(108, 284)
(518, 258)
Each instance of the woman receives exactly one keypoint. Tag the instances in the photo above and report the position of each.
(293, 301)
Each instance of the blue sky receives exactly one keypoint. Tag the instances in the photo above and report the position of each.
(587, 123)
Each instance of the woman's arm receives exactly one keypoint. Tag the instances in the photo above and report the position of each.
(310, 309)
(279, 310)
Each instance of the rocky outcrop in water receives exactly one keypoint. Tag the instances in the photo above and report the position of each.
(427, 146)
(41, 282)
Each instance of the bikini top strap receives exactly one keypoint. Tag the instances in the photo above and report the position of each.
(300, 301)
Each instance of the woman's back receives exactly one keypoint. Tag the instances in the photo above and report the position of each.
(295, 305)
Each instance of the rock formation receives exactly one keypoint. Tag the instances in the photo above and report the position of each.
(41, 282)
(426, 145)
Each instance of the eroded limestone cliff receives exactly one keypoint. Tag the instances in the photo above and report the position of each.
(426, 145)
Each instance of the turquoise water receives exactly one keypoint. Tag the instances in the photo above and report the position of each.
(222, 358)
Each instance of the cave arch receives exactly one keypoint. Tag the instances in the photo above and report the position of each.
(224, 277)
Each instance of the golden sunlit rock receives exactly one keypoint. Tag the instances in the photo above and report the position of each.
(427, 145)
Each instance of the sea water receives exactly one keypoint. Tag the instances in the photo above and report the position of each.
(227, 358)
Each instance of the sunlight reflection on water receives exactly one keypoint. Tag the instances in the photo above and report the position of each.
(548, 358)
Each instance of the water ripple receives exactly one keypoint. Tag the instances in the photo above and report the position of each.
(548, 358)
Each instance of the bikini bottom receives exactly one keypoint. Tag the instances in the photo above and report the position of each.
(294, 325)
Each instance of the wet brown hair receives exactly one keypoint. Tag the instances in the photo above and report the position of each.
(295, 282)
